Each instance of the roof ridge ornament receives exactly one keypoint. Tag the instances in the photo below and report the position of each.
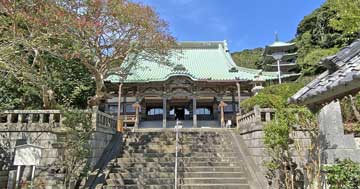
(276, 36)
(233, 69)
(226, 48)
(179, 67)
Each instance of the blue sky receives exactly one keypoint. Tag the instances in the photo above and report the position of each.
(245, 24)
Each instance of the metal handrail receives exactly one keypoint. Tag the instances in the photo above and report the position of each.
(176, 151)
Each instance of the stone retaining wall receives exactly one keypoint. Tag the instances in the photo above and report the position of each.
(36, 126)
(251, 127)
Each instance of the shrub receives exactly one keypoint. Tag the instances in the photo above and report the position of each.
(274, 96)
(343, 175)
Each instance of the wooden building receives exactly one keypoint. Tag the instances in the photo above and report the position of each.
(202, 86)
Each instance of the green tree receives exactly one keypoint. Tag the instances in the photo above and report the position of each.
(249, 58)
(318, 37)
(348, 15)
(95, 34)
(274, 96)
(310, 62)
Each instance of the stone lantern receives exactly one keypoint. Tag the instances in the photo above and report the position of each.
(257, 85)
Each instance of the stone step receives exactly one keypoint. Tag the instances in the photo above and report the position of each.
(184, 186)
(142, 169)
(150, 181)
(212, 174)
(173, 146)
(210, 164)
(180, 169)
(172, 164)
(211, 169)
(168, 181)
(181, 132)
(121, 175)
(145, 164)
(195, 154)
(180, 159)
(173, 150)
(214, 186)
(216, 180)
(145, 175)
(206, 160)
(194, 142)
(173, 136)
(134, 186)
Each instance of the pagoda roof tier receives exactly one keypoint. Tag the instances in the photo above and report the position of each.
(209, 61)
(288, 56)
(283, 64)
(279, 46)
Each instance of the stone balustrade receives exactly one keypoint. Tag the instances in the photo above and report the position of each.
(46, 120)
(37, 127)
(104, 121)
(30, 120)
(254, 119)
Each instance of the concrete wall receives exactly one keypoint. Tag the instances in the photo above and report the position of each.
(36, 128)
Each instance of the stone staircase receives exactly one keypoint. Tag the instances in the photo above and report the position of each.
(207, 159)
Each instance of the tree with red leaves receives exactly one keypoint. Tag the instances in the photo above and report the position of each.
(99, 34)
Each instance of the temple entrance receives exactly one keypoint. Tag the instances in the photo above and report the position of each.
(179, 113)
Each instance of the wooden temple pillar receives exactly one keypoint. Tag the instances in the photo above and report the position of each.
(124, 107)
(215, 109)
(233, 103)
(239, 96)
(164, 111)
(136, 106)
(120, 121)
(222, 114)
(194, 112)
(143, 109)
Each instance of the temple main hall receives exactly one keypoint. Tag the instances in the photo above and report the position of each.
(200, 85)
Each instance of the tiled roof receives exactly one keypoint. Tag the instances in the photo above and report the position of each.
(341, 78)
(197, 60)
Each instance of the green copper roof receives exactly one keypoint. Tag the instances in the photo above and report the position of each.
(279, 46)
(197, 60)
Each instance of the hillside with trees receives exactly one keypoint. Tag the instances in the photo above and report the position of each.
(249, 58)
(322, 33)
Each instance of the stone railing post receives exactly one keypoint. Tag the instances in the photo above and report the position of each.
(51, 119)
(20, 118)
(41, 118)
(8, 118)
(61, 120)
(136, 106)
(238, 116)
(30, 118)
(94, 120)
(267, 116)
(257, 115)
